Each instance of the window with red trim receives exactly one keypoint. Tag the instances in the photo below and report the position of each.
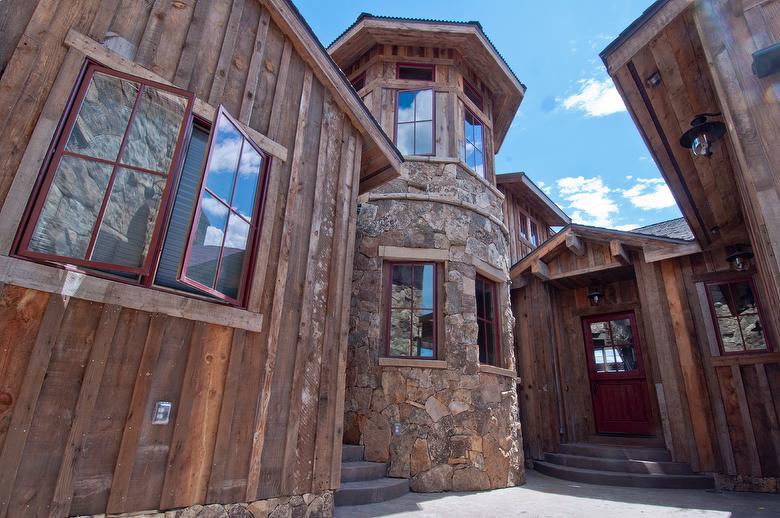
(737, 316)
(411, 310)
(227, 211)
(416, 72)
(487, 320)
(102, 192)
(473, 95)
(414, 122)
(473, 152)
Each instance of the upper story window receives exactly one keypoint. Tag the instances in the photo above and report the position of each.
(411, 310)
(473, 148)
(416, 72)
(534, 233)
(473, 95)
(122, 168)
(523, 225)
(487, 320)
(414, 122)
(359, 82)
(737, 317)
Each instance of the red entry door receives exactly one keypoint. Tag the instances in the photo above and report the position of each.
(621, 401)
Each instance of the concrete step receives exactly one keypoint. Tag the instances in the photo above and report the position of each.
(351, 452)
(371, 491)
(646, 467)
(616, 452)
(613, 478)
(627, 440)
(361, 470)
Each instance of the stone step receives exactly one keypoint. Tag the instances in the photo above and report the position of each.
(647, 467)
(613, 478)
(627, 440)
(370, 491)
(361, 470)
(616, 452)
(351, 452)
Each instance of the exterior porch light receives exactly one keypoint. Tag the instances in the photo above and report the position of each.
(595, 296)
(739, 257)
(703, 134)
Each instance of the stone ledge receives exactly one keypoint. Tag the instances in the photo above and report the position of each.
(418, 254)
(498, 371)
(412, 362)
(463, 165)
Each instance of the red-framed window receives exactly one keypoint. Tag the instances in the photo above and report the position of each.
(359, 82)
(488, 337)
(416, 72)
(116, 198)
(473, 95)
(737, 316)
(473, 142)
(414, 127)
(534, 233)
(523, 225)
(226, 215)
(103, 190)
(411, 301)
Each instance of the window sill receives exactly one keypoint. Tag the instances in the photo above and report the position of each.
(412, 362)
(745, 358)
(66, 283)
(498, 371)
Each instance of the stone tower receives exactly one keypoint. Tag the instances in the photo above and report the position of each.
(431, 370)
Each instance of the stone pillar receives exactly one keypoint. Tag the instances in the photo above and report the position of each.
(459, 426)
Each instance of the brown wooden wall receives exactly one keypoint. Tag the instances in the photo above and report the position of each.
(719, 413)
(256, 414)
(514, 204)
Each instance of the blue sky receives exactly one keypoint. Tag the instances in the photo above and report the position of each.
(572, 135)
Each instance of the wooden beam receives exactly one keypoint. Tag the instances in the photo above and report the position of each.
(540, 270)
(575, 245)
(619, 252)
(653, 254)
(519, 282)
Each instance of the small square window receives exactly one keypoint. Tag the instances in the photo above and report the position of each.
(416, 72)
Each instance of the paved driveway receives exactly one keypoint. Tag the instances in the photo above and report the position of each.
(544, 496)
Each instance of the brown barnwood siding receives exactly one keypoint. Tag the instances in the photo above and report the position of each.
(255, 414)
(514, 205)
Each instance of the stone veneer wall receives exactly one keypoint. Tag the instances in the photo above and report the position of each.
(309, 505)
(459, 424)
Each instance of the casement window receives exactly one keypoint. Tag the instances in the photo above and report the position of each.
(534, 233)
(411, 324)
(473, 149)
(488, 336)
(414, 122)
(416, 72)
(523, 226)
(737, 316)
(126, 175)
(473, 95)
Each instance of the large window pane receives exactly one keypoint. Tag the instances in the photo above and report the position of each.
(230, 269)
(406, 106)
(423, 139)
(223, 160)
(423, 283)
(730, 334)
(412, 311)
(95, 133)
(405, 138)
(128, 222)
(402, 286)
(247, 182)
(721, 302)
(65, 225)
(206, 247)
(422, 333)
(487, 337)
(154, 131)
(401, 332)
(423, 105)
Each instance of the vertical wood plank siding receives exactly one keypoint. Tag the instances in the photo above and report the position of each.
(254, 413)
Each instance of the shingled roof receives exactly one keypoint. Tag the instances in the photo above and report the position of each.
(674, 228)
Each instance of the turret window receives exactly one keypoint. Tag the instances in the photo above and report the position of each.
(473, 149)
(414, 126)
(416, 72)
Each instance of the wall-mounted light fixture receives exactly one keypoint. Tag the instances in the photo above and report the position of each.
(739, 256)
(703, 134)
(595, 295)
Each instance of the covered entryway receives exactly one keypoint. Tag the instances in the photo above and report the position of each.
(621, 402)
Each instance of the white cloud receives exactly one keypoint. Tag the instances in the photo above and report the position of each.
(596, 98)
(650, 194)
(626, 227)
(590, 200)
(544, 187)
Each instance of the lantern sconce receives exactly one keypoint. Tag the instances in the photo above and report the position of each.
(703, 134)
(739, 256)
(595, 295)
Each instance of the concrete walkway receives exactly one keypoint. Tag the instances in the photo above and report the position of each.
(544, 496)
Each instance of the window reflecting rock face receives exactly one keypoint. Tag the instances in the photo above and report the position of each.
(412, 313)
(735, 312)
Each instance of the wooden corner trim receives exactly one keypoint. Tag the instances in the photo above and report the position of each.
(412, 362)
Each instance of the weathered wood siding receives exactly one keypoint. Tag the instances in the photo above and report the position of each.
(255, 414)
(514, 205)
